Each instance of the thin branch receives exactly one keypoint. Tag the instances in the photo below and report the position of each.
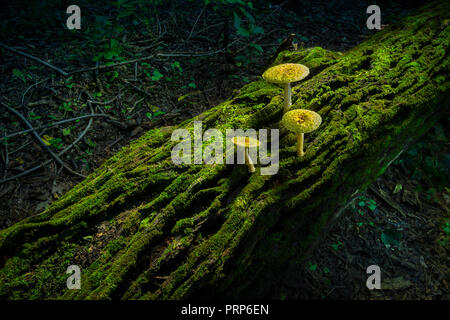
(56, 124)
(28, 124)
(59, 154)
(111, 65)
(29, 88)
(29, 56)
(196, 21)
(137, 88)
(6, 157)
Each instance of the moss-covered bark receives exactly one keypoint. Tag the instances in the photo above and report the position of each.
(143, 227)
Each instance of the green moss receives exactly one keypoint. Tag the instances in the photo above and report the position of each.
(182, 225)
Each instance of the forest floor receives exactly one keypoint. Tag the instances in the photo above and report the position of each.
(192, 58)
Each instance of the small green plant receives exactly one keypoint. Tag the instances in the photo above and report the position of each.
(33, 116)
(66, 131)
(156, 75)
(111, 52)
(153, 115)
(176, 67)
(90, 143)
(66, 107)
(68, 82)
(336, 246)
(22, 76)
(56, 143)
(312, 267)
(372, 205)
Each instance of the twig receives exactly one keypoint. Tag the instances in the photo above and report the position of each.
(383, 195)
(137, 88)
(28, 124)
(29, 88)
(58, 70)
(59, 154)
(102, 103)
(196, 21)
(111, 65)
(97, 79)
(56, 124)
(6, 157)
(147, 58)
(114, 142)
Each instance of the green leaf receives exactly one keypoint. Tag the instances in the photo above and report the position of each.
(20, 75)
(176, 66)
(33, 116)
(149, 115)
(398, 188)
(335, 246)
(156, 75)
(192, 85)
(66, 131)
(257, 30)
(372, 205)
(243, 32)
(90, 143)
(124, 13)
(248, 15)
(237, 21)
(109, 55)
(158, 113)
(257, 47)
(446, 228)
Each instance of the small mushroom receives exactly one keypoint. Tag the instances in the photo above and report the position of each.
(247, 143)
(301, 121)
(285, 74)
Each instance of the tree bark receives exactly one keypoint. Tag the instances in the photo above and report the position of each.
(142, 227)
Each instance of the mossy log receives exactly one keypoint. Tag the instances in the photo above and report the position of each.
(142, 227)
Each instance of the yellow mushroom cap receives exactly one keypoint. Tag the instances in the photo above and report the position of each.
(246, 142)
(301, 120)
(285, 73)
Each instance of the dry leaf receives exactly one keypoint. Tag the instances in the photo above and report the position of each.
(395, 284)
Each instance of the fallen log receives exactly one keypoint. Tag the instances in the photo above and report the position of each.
(142, 227)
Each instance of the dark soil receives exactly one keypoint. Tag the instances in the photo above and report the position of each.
(202, 63)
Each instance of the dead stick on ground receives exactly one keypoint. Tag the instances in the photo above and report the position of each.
(6, 157)
(59, 154)
(29, 56)
(29, 88)
(28, 124)
(111, 65)
(56, 124)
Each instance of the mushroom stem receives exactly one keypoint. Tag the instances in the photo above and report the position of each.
(249, 162)
(287, 97)
(300, 144)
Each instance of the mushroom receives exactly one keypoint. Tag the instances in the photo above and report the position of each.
(247, 143)
(285, 74)
(301, 121)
